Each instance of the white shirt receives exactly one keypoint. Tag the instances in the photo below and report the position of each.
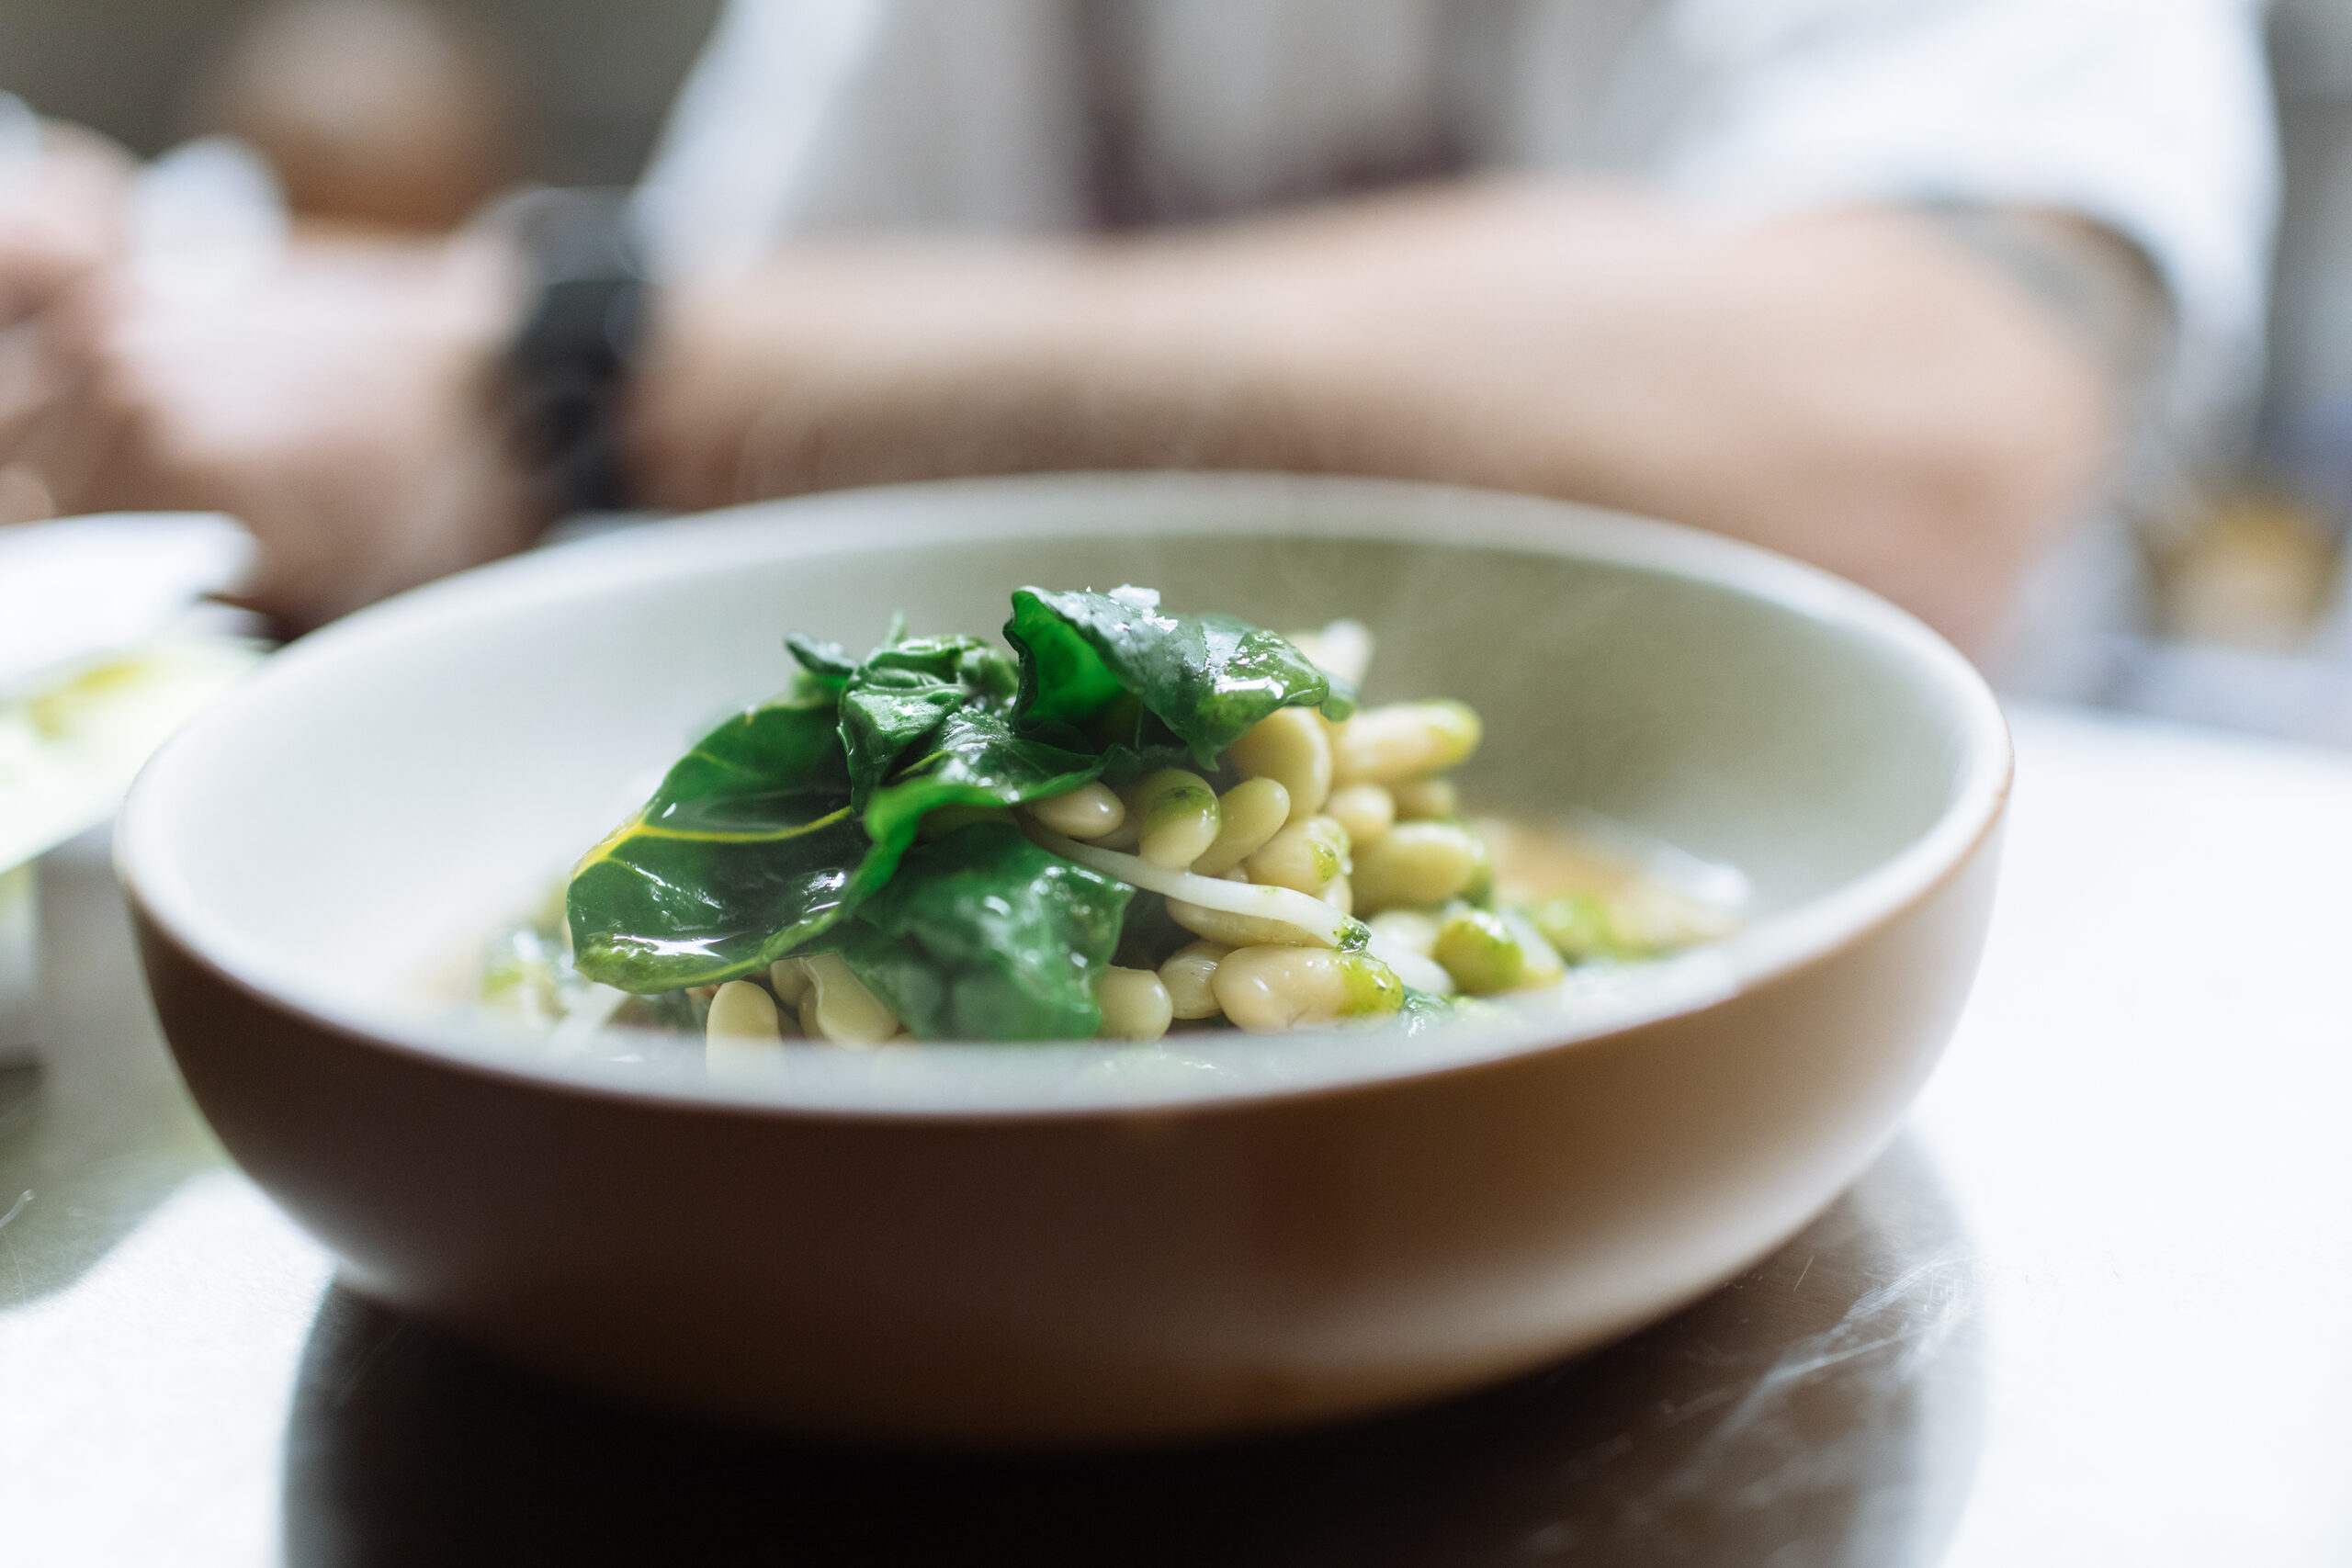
(2149, 116)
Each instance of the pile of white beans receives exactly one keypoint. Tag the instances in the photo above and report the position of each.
(1354, 814)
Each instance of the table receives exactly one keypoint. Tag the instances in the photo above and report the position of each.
(2094, 1307)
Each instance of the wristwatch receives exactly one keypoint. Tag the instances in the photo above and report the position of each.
(568, 363)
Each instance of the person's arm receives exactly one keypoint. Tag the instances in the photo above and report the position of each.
(1852, 387)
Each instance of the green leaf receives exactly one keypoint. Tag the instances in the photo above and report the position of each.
(976, 759)
(746, 849)
(1207, 678)
(982, 935)
(893, 701)
(1062, 674)
(826, 660)
(1149, 933)
(825, 668)
(1133, 740)
(753, 845)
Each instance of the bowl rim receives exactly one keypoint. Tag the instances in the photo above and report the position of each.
(1070, 505)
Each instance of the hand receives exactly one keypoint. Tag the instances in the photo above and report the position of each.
(60, 217)
(340, 406)
(61, 222)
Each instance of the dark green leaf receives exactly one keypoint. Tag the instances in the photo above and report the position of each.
(827, 660)
(1062, 675)
(745, 851)
(985, 936)
(1207, 678)
(881, 722)
(976, 759)
(1133, 740)
(1149, 933)
(892, 702)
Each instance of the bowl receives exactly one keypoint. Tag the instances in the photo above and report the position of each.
(1069, 1244)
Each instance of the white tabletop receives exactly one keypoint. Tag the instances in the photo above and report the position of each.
(2095, 1307)
(2146, 1122)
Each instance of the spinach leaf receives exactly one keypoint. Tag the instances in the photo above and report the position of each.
(894, 700)
(1149, 933)
(976, 759)
(745, 851)
(1062, 675)
(827, 664)
(754, 842)
(1207, 677)
(1133, 740)
(982, 935)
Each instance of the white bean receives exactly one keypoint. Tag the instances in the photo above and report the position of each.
(1239, 930)
(1427, 799)
(1305, 855)
(1487, 952)
(742, 1037)
(1544, 967)
(1418, 863)
(1248, 815)
(1402, 740)
(743, 1012)
(1187, 975)
(1136, 1005)
(840, 1009)
(790, 978)
(1417, 970)
(1412, 930)
(1365, 810)
(1317, 922)
(1087, 812)
(1265, 990)
(1290, 747)
(1175, 815)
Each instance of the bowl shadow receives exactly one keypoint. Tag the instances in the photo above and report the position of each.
(1823, 1408)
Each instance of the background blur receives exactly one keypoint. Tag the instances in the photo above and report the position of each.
(2251, 625)
(595, 76)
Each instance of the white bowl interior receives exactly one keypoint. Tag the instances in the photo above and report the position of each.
(387, 791)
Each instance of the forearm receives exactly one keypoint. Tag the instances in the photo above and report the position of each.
(1849, 388)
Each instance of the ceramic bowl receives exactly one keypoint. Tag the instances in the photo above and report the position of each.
(1070, 1244)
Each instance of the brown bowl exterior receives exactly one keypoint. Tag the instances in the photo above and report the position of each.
(1086, 1277)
